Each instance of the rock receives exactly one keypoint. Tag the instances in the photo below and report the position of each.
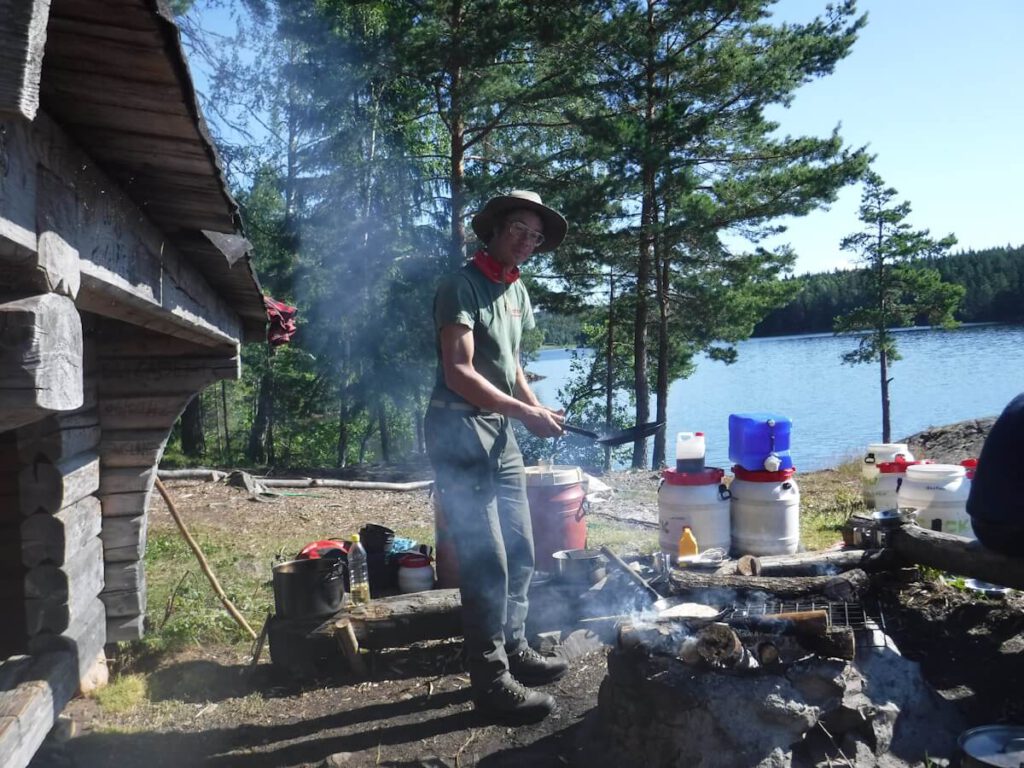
(339, 758)
(97, 676)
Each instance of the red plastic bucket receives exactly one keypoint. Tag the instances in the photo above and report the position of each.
(556, 495)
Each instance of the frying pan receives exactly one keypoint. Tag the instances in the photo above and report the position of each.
(621, 437)
(665, 603)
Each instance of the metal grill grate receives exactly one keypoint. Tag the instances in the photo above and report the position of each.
(867, 622)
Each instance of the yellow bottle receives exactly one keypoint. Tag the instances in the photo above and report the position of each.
(688, 543)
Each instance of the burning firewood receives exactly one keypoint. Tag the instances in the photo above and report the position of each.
(717, 644)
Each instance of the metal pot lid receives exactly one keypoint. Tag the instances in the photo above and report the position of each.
(999, 746)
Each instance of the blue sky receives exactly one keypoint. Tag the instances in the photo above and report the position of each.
(936, 91)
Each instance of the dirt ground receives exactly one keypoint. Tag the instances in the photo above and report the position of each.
(210, 706)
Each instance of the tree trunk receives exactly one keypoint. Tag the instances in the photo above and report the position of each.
(640, 384)
(884, 369)
(343, 434)
(658, 460)
(258, 435)
(193, 441)
(382, 426)
(609, 376)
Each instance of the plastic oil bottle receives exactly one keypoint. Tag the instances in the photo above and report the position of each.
(358, 574)
(688, 543)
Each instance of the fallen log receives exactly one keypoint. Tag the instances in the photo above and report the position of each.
(210, 475)
(956, 554)
(843, 587)
(811, 563)
(394, 622)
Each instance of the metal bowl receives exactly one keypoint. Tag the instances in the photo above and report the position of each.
(580, 566)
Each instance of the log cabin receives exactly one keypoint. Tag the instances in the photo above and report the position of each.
(125, 289)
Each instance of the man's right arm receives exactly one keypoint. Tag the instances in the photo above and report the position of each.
(464, 380)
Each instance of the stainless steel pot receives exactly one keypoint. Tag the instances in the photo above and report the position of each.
(580, 566)
(992, 746)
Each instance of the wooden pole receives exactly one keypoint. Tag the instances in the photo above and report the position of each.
(238, 617)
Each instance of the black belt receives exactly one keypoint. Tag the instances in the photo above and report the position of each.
(453, 406)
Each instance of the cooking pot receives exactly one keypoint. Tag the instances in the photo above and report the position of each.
(579, 566)
(308, 587)
(992, 746)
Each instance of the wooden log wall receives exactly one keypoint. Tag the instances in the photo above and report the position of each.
(60, 525)
(145, 382)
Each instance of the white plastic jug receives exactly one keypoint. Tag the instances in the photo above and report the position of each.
(879, 453)
(690, 450)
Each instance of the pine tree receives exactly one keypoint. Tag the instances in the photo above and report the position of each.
(903, 289)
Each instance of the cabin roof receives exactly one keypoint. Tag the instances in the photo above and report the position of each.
(116, 80)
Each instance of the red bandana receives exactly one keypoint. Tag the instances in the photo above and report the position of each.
(493, 269)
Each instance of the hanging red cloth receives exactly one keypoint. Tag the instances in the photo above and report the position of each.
(281, 317)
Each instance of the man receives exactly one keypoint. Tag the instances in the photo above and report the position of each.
(480, 314)
(996, 500)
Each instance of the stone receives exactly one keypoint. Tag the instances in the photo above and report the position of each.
(338, 758)
(96, 676)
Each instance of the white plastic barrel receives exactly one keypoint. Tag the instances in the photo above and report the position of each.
(939, 494)
(878, 453)
(765, 512)
(891, 476)
(694, 499)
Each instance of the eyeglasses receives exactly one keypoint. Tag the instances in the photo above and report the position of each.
(518, 229)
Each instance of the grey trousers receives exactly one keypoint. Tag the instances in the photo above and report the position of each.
(480, 478)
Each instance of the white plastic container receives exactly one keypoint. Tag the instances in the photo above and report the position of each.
(415, 573)
(879, 453)
(690, 449)
(939, 494)
(695, 499)
(891, 476)
(765, 512)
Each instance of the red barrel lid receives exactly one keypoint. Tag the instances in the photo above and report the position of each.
(760, 476)
(898, 466)
(707, 476)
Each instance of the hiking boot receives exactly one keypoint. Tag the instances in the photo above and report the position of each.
(508, 700)
(530, 668)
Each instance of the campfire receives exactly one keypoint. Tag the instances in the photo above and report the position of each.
(765, 670)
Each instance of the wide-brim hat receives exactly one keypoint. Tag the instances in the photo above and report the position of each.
(555, 225)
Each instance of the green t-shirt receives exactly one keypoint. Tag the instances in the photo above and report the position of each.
(497, 313)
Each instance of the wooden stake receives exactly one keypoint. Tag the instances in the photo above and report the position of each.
(350, 646)
(238, 617)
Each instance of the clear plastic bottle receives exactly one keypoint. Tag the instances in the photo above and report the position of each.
(358, 574)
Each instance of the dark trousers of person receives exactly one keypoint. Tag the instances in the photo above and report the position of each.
(481, 486)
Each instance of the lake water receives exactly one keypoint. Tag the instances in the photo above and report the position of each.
(944, 377)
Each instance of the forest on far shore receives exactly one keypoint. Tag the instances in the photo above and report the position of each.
(993, 279)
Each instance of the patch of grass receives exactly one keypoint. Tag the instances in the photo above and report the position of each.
(122, 694)
(621, 539)
(182, 606)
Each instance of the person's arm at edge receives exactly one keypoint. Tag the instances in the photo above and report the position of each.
(462, 378)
